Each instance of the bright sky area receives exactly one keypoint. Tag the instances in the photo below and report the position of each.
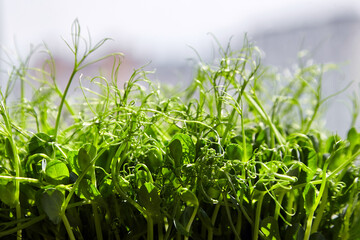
(155, 30)
(158, 31)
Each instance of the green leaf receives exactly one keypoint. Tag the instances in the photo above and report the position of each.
(294, 232)
(40, 143)
(175, 147)
(269, 226)
(150, 199)
(263, 136)
(87, 190)
(311, 163)
(309, 196)
(234, 152)
(90, 149)
(125, 185)
(355, 148)
(7, 193)
(249, 151)
(28, 195)
(83, 158)
(353, 136)
(317, 236)
(106, 187)
(51, 201)
(182, 149)
(205, 219)
(141, 177)
(154, 159)
(332, 143)
(180, 228)
(72, 159)
(213, 192)
(354, 231)
(56, 172)
(104, 160)
(338, 155)
(315, 141)
(309, 157)
(9, 150)
(188, 197)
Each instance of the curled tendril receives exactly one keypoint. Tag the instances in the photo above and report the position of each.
(338, 189)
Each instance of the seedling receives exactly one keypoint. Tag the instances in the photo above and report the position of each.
(224, 159)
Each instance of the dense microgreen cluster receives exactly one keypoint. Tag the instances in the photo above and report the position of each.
(233, 156)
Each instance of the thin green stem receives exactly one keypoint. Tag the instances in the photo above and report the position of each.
(253, 101)
(213, 220)
(243, 141)
(22, 96)
(16, 164)
(63, 100)
(243, 210)
(18, 210)
(227, 208)
(94, 204)
(316, 109)
(188, 225)
(308, 224)
(76, 184)
(21, 179)
(232, 115)
(150, 228)
(68, 106)
(320, 211)
(310, 216)
(277, 208)
(160, 226)
(238, 222)
(97, 221)
(68, 227)
(256, 229)
(23, 226)
(349, 211)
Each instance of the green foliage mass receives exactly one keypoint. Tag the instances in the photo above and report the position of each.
(239, 154)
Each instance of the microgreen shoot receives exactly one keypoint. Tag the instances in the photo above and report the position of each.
(227, 158)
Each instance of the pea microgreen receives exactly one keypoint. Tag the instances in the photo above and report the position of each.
(238, 154)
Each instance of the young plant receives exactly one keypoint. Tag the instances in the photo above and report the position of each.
(223, 159)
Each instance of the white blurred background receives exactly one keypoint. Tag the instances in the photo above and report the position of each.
(161, 31)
